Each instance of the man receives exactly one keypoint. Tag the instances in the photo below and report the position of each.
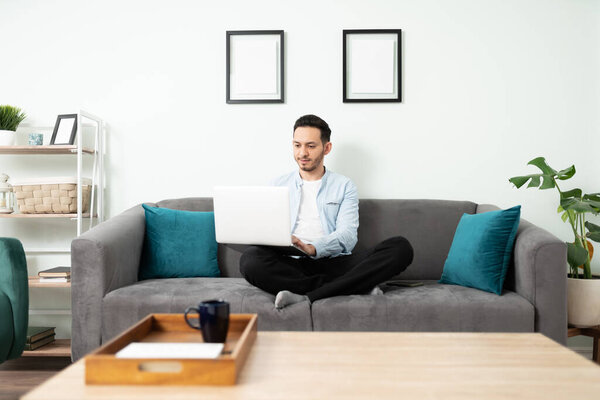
(324, 208)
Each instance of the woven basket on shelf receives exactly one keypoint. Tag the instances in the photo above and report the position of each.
(51, 198)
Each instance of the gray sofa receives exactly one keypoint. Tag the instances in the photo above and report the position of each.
(107, 296)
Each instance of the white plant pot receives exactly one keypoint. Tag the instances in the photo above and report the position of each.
(7, 138)
(583, 299)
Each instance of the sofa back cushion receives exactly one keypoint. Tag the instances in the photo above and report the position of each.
(429, 225)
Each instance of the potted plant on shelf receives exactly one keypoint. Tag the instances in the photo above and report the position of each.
(583, 288)
(10, 118)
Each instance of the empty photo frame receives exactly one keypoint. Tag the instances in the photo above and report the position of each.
(64, 129)
(254, 67)
(372, 65)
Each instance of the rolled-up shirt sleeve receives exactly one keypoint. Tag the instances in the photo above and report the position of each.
(345, 236)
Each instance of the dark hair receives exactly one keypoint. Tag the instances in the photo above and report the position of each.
(315, 122)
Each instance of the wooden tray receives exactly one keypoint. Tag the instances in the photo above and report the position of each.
(103, 368)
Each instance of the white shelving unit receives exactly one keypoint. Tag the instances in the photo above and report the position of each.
(97, 152)
(86, 123)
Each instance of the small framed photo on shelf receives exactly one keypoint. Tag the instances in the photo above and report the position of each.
(255, 67)
(372, 65)
(64, 129)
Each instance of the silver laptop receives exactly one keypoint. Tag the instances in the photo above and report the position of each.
(254, 215)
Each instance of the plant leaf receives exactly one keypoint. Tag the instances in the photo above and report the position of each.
(571, 193)
(519, 181)
(576, 255)
(577, 205)
(566, 173)
(592, 227)
(546, 177)
(540, 162)
(594, 204)
(592, 196)
(564, 216)
(535, 181)
(595, 236)
(547, 182)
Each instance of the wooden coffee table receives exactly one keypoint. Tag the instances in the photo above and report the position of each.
(375, 365)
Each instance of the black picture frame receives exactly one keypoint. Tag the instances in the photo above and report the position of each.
(348, 97)
(232, 98)
(59, 135)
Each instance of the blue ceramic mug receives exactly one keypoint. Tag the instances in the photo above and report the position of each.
(213, 320)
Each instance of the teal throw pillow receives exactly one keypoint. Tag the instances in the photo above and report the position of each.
(481, 250)
(179, 244)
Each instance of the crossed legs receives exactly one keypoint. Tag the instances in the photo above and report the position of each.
(326, 277)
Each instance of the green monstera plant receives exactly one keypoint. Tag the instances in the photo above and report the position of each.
(574, 205)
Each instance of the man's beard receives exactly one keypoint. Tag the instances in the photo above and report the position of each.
(313, 165)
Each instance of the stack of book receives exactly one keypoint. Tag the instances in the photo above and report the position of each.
(55, 275)
(37, 336)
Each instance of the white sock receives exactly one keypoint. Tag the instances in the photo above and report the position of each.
(285, 298)
(376, 291)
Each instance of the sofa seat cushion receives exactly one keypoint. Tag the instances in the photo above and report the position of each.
(433, 307)
(125, 306)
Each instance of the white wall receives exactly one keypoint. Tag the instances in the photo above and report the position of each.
(487, 86)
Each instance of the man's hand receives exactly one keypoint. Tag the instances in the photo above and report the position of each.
(307, 248)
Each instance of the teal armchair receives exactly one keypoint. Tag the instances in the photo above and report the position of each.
(14, 299)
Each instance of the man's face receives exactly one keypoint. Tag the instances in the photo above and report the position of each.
(309, 151)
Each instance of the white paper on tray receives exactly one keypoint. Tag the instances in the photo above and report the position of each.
(170, 350)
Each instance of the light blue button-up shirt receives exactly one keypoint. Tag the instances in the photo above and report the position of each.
(337, 202)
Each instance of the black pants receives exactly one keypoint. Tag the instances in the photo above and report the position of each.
(357, 273)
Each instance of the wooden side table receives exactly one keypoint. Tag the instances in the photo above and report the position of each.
(593, 332)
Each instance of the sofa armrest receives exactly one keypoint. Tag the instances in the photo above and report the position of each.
(103, 259)
(539, 274)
